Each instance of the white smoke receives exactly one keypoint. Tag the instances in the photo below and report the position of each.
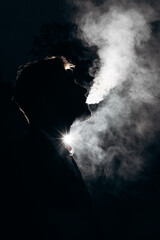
(116, 34)
(126, 87)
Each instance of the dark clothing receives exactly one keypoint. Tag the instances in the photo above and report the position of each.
(52, 202)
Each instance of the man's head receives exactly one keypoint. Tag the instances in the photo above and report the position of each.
(47, 92)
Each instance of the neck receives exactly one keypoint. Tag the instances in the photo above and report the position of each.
(54, 129)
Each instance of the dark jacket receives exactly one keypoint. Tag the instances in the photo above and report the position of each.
(52, 201)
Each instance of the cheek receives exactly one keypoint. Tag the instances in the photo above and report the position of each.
(71, 98)
(70, 95)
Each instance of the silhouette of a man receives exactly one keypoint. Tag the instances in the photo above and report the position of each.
(53, 202)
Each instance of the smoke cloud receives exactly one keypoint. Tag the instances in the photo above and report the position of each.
(117, 34)
(125, 90)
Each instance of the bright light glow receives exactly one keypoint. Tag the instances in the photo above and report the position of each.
(67, 139)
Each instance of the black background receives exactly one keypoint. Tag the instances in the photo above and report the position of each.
(35, 29)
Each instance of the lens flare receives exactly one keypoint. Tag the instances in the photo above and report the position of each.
(68, 142)
(67, 139)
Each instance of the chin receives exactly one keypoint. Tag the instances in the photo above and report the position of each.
(84, 113)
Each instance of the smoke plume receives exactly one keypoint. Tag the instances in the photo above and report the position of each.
(126, 90)
(117, 34)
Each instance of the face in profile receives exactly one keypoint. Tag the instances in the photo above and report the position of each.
(75, 99)
(49, 94)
